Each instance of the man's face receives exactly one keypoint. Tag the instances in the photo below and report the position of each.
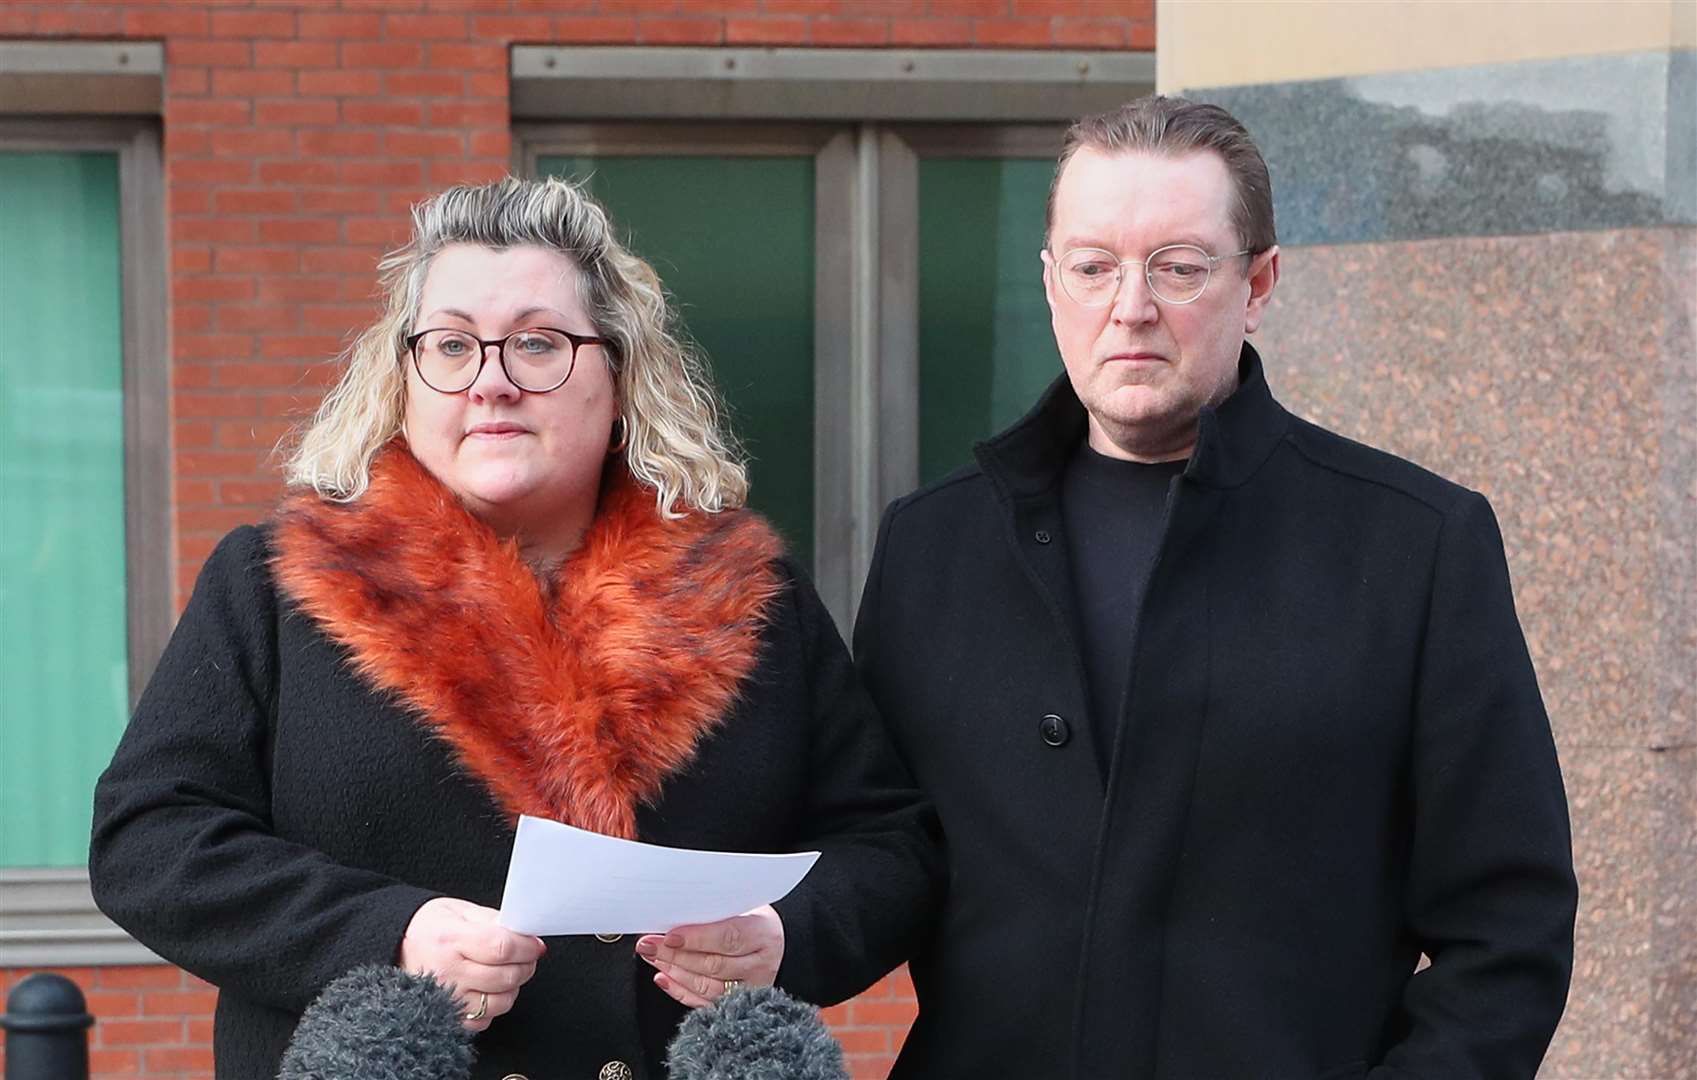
(1143, 367)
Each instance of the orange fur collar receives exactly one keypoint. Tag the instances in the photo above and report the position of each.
(576, 705)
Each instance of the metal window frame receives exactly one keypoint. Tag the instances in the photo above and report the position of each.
(87, 78)
(47, 915)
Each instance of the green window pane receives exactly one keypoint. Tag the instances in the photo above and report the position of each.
(732, 238)
(63, 679)
(985, 348)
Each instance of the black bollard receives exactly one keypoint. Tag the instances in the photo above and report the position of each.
(46, 1024)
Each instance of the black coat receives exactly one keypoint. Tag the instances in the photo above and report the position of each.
(270, 821)
(1332, 757)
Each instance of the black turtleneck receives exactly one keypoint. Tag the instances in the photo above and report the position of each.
(1111, 511)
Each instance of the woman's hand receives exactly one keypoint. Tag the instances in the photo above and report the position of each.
(699, 964)
(460, 944)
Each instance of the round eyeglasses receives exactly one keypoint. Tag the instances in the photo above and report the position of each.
(1176, 273)
(536, 360)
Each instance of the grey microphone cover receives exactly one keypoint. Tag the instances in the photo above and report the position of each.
(380, 1023)
(755, 1033)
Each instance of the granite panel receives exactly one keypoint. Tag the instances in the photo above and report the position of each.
(1633, 1003)
(1592, 142)
(1554, 374)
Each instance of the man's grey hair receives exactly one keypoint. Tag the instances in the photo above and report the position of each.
(1171, 127)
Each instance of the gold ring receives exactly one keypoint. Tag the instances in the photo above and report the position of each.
(482, 1007)
(732, 984)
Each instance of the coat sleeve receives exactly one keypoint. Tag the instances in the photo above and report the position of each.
(865, 905)
(182, 854)
(1491, 895)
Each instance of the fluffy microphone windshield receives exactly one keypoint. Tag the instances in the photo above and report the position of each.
(380, 1023)
(757, 1033)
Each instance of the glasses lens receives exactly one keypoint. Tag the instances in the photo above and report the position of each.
(1178, 274)
(1089, 276)
(447, 359)
(538, 360)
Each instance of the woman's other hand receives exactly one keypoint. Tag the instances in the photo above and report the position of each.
(698, 964)
(461, 945)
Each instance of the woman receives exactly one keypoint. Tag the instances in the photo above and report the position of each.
(511, 577)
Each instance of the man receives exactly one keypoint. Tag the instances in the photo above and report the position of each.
(1229, 719)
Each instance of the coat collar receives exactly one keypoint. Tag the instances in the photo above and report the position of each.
(574, 701)
(1234, 438)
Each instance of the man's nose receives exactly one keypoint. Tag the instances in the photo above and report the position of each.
(492, 383)
(1134, 302)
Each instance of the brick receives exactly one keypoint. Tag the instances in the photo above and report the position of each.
(464, 58)
(360, 286)
(296, 54)
(235, 318)
(197, 289)
(381, 172)
(972, 9)
(297, 112)
(247, 82)
(383, 112)
(930, 32)
(850, 32)
(722, 8)
(1101, 9)
(180, 81)
(248, 493)
(191, 435)
(199, 1027)
(254, 200)
(165, 22)
(209, 170)
(119, 1003)
(1141, 36)
(213, 405)
(190, 318)
(299, 230)
(386, 232)
(425, 27)
(470, 114)
(804, 7)
(239, 23)
(1090, 33)
(218, 519)
(210, 111)
(340, 201)
(594, 30)
(186, 140)
(339, 83)
(114, 1062)
(335, 318)
(487, 84)
(382, 54)
(767, 31)
(863, 1040)
(196, 260)
(870, 1066)
(1019, 33)
(425, 83)
(899, 1013)
(238, 435)
(207, 51)
(510, 28)
(257, 375)
(257, 260)
(181, 199)
(637, 7)
(301, 288)
(140, 1032)
(337, 142)
(210, 347)
(286, 347)
(253, 142)
(443, 173)
(178, 1002)
(79, 21)
(680, 31)
(424, 144)
(297, 172)
(180, 1058)
(212, 230)
(340, 25)
(497, 144)
(835, 1016)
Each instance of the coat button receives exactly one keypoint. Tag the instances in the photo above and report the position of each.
(1055, 730)
(615, 1070)
(608, 939)
(1042, 536)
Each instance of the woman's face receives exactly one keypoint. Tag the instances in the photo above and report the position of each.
(527, 464)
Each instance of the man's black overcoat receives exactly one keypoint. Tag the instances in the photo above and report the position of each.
(1332, 757)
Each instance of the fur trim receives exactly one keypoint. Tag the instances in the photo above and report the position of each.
(574, 703)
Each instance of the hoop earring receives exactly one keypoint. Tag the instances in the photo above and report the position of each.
(614, 447)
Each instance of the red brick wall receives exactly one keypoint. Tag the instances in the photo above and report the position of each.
(296, 134)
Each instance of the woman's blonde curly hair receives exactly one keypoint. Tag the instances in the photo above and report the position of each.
(675, 440)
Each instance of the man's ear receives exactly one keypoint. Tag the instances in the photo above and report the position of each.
(1263, 276)
(1048, 279)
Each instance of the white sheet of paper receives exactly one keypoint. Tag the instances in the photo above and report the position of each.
(563, 880)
